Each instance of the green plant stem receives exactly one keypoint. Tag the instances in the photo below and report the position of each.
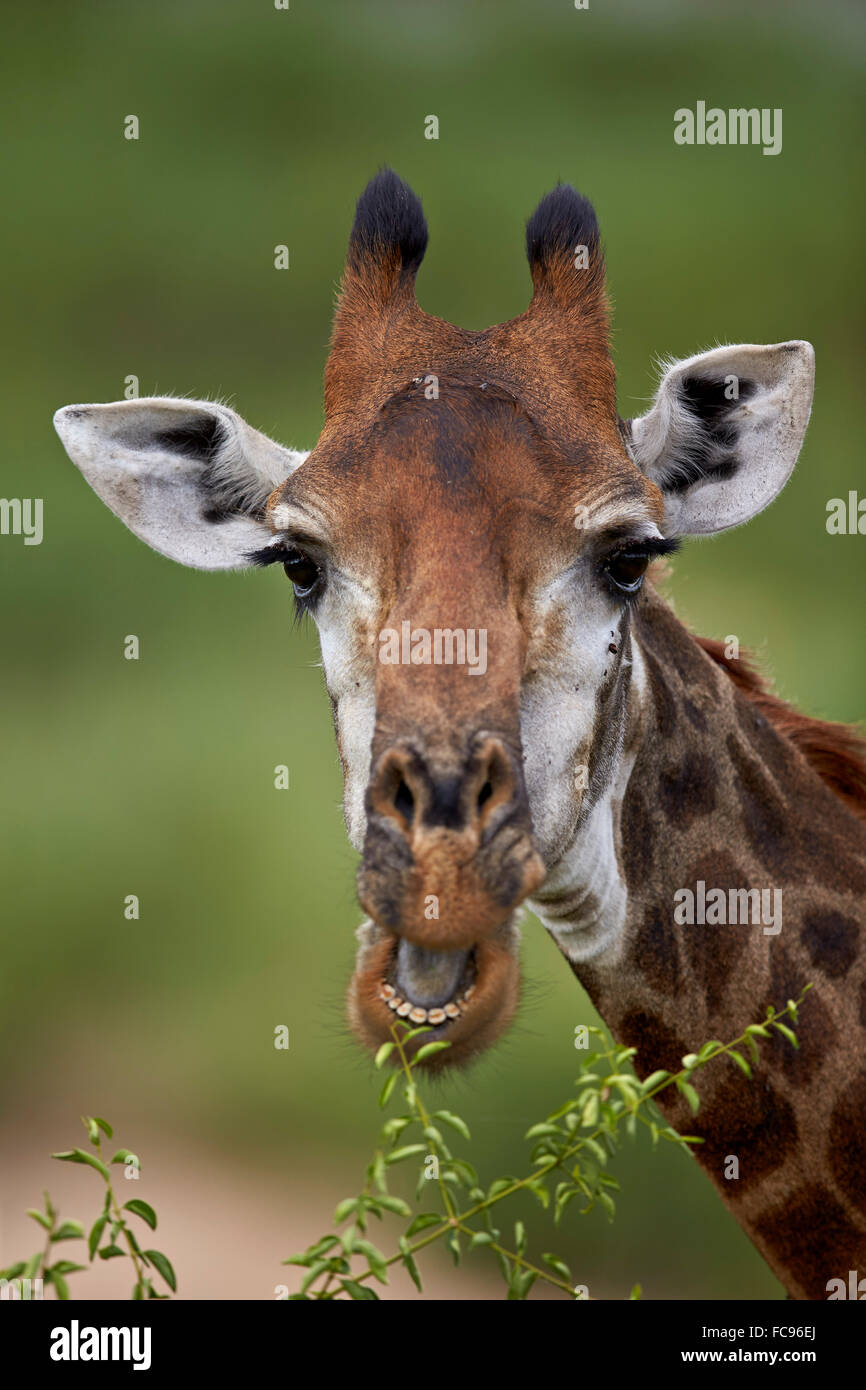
(115, 1208)
(519, 1260)
(424, 1118)
(629, 1106)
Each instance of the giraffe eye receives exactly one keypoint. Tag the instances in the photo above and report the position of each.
(627, 569)
(303, 572)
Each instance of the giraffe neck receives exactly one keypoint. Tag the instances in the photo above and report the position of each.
(717, 799)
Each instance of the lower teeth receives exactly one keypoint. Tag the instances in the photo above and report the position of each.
(416, 1014)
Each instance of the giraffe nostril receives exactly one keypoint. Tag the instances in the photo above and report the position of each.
(404, 801)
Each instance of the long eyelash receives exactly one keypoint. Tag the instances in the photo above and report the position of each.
(652, 547)
(270, 555)
(304, 606)
(276, 555)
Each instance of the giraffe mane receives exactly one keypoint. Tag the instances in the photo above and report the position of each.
(837, 752)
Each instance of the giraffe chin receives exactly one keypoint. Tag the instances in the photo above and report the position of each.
(471, 994)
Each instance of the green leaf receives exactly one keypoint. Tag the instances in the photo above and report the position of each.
(431, 1132)
(164, 1266)
(66, 1267)
(691, 1095)
(110, 1252)
(741, 1063)
(430, 1050)
(544, 1128)
(499, 1186)
(480, 1238)
(410, 1264)
(385, 1093)
(95, 1236)
(322, 1246)
(394, 1204)
(393, 1128)
(787, 1033)
(384, 1053)
(690, 1061)
(453, 1243)
(562, 1202)
(345, 1209)
(137, 1292)
(104, 1126)
(14, 1271)
(558, 1266)
(123, 1156)
(32, 1266)
(654, 1080)
(130, 1236)
(538, 1189)
(52, 1276)
(142, 1209)
(408, 1151)
(757, 1030)
(563, 1110)
(416, 1032)
(427, 1218)
(68, 1230)
(635, 1293)
(79, 1156)
(607, 1202)
(449, 1118)
(465, 1170)
(589, 1115)
(39, 1216)
(348, 1238)
(521, 1282)
(317, 1268)
(519, 1237)
(358, 1291)
(376, 1259)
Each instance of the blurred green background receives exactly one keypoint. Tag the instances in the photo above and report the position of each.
(155, 777)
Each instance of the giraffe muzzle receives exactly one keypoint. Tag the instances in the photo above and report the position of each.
(448, 856)
(449, 851)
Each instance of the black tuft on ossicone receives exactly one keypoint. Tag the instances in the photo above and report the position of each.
(563, 220)
(389, 215)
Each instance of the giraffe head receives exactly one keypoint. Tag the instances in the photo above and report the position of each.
(469, 535)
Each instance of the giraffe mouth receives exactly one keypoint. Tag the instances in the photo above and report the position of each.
(428, 986)
(465, 996)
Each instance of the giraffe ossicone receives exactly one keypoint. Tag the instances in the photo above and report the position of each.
(604, 761)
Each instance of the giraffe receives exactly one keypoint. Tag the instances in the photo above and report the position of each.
(605, 765)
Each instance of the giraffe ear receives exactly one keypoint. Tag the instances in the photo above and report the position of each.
(724, 433)
(189, 477)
